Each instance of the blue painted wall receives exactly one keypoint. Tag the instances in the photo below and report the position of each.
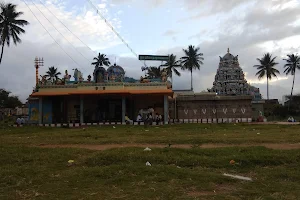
(47, 111)
(33, 112)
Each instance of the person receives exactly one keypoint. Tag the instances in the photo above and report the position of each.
(128, 120)
(22, 121)
(149, 119)
(18, 121)
(139, 118)
(158, 119)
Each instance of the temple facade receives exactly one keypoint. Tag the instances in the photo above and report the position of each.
(231, 98)
(230, 79)
(105, 99)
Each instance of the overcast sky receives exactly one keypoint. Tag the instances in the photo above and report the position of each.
(249, 28)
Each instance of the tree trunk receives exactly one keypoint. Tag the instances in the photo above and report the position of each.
(192, 79)
(267, 87)
(292, 91)
(2, 51)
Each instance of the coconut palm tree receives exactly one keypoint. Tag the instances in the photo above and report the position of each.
(192, 60)
(10, 25)
(171, 66)
(267, 68)
(52, 74)
(292, 64)
(154, 72)
(101, 60)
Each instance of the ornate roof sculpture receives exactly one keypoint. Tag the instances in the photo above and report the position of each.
(115, 73)
(230, 79)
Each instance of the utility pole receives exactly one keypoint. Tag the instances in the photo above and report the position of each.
(38, 62)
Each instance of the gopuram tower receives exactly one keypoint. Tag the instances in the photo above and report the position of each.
(230, 79)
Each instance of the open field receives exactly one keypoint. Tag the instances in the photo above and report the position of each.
(188, 162)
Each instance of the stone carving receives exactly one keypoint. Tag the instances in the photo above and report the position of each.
(230, 79)
(234, 110)
(225, 110)
(204, 111)
(195, 111)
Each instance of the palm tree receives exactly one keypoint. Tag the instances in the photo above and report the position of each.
(266, 68)
(52, 73)
(171, 65)
(192, 60)
(10, 26)
(292, 64)
(154, 72)
(101, 60)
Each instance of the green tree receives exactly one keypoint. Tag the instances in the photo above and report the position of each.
(171, 66)
(292, 64)
(267, 68)
(52, 73)
(101, 60)
(8, 101)
(10, 25)
(192, 60)
(154, 72)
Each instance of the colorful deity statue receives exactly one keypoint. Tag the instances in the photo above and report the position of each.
(76, 75)
(164, 76)
(44, 80)
(66, 76)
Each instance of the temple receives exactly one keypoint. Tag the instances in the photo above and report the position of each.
(105, 97)
(230, 79)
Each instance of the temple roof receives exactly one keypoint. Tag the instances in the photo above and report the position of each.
(98, 92)
(228, 56)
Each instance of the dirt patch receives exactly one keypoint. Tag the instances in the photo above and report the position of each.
(218, 189)
(180, 146)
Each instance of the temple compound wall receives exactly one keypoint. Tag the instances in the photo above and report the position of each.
(211, 108)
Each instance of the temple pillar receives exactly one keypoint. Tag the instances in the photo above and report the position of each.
(81, 110)
(166, 109)
(40, 110)
(123, 108)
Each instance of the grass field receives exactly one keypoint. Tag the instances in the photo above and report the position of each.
(181, 167)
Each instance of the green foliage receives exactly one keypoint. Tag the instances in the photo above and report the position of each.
(52, 73)
(192, 60)
(266, 68)
(10, 25)
(154, 72)
(171, 66)
(8, 101)
(101, 60)
(28, 171)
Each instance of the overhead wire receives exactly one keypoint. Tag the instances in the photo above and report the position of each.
(59, 32)
(67, 28)
(50, 34)
(112, 28)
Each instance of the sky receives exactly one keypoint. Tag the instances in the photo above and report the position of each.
(250, 28)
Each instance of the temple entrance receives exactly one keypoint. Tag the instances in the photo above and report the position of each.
(59, 110)
(109, 110)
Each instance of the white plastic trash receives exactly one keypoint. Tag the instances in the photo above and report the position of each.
(147, 149)
(148, 163)
(238, 177)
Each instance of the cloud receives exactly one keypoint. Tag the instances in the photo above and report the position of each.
(17, 70)
(170, 33)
